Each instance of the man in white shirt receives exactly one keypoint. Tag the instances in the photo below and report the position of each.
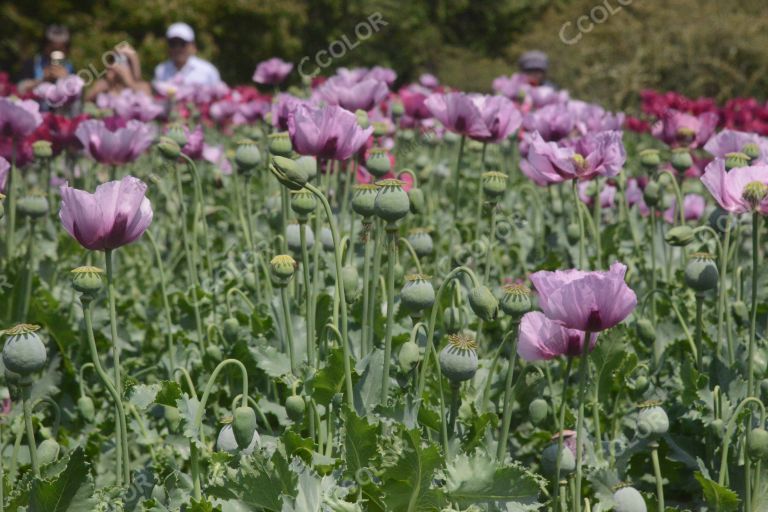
(183, 67)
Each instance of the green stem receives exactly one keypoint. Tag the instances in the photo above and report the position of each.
(367, 225)
(457, 182)
(699, 348)
(507, 416)
(23, 309)
(166, 304)
(489, 248)
(27, 405)
(657, 474)
(597, 216)
(392, 250)
(479, 213)
(561, 426)
(454, 411)
(287, 327)
(753, 323)
(377, 251)
(577, 204)
(310, 320)
(729, 428)
(653, 263)
(583, 365)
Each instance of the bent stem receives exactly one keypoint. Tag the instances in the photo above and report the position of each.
(583, 365)
(27, 405)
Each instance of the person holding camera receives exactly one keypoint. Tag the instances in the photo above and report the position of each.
(50, 64)
(123, 71)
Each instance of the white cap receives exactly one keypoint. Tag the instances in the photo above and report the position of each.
(181, 31)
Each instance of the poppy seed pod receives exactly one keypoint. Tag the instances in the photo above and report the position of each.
(398, 109)
(681, 159)
(307, 165)
(247, 156)
(294, 406)
(452, 320)
(652, 194)
(416, 198)
(380, 128)
(417, 293)
(226, 442)
(282, 267)
(303, 202)
(409, 356)
(42, 149)
(392, 203)
(701, 273)
(649, 158)
(549, 460)
(34, 206)
(378, 162)
(538, 410)
(362, 118)
(280, 144)
(494, 184)
(736, 159)
(516, 300)
(351, 282)
(754, 193)
(483, 303)
(87, 280)
(679, 236)
(364, 199)
(652, 420)
(176, 134)
(628, 499)
(169, 148)
(244, 425)
(758, 444)
(288, 173)
(458, 360)
(752, 151)
(24, 352)
(421, 241)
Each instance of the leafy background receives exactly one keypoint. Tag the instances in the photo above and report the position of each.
(719, 48)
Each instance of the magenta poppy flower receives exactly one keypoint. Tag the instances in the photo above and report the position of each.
(553, 122)
(272, 71)
(113, 141)
(5, 167)
(283, 107)
(18, 118)
(547, 162)
(591, 118)
(382, 74)
(328, 132)
(195, 141)
(129, 104)
(732, 141)
(693, 209)
(429, 81)
(458, 113)
(117, 214)
(363, 95)
(728, 188)
(587, 301)
(541, 338)
(413, 99)
(500, 115)
(680, 129)
(64, 91)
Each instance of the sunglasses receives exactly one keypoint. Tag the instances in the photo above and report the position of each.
(176, 43)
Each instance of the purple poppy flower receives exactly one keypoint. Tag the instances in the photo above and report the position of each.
(680, 129)
(553, 122)
(590, 118)
(544, 95)
(283, 107)
(216, 156)
(602, 154)
(429, 81)
(542, 339)
(328, 132)
(5, 167)
(113, 141)
(458, 113)
(513, 87)
(195, 141)
(500, 115)
(693, 208)
(363, 95)
(272, 71)
(382, 74)
(728, 188)
(547, 162)
(587, 301)
(116, 214)
(18, 118)
(732, 141)
(64, 91)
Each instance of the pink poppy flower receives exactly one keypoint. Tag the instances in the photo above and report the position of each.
(500, 115)
(693, 208)
(18, 118)
(587, 301)
(553, 122)
(116, 214)
(546, 162)
(607, 194)
(272, 71)
(728, 188)
(458, 113)
(328, 132)
(541, 338)
(363, 95)
(113, 141)
(680, 129)
(732, 141)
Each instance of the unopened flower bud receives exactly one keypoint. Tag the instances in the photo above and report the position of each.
(34, 206)
(416, 197)
(409, 356)
(645, 330)
(351, 282)
(652, 194)
(649, 158)
(483, 303)
(538, 410)
(307, 165)
(758, 444)
(679, 236)
(380, 128)
(169, 148)
(288, 173)
(176, 133)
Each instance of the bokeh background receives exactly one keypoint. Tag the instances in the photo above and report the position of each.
(697, 47)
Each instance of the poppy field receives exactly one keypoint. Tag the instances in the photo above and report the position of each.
(359, 294)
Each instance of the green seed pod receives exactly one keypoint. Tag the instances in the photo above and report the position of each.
(752, 151)
(168, 148)
(307, 165)
(701, 273)
(458, 360)
(549, 460)
(538, 410)
(378, 162)
(24, 352)
(47, 452)
(409, 356)
(244, 425)
(516, 300)
(351, 282)
(494, 184)
(717, 427)
(288, 173)
(416, 198)
(754, 193)
(303, 202)
(392, 203)
(364, 199)
(86, 408)
(380, 128)
(649, 158)
(417, 293)
(226, 442)
(681, 159)
(294, 406)
(421, 241)
(42, 149)
(282, 268)
(452, 320)
(247, 156)
(280, 144)
(628, 499)
(652, 420)
(737, 159)
(652, 194)
(34, 206)
(230, 329)
(176, 134)
(645, 330)
(397, 107)
(679, 236)
(483, 303)
(87, 280)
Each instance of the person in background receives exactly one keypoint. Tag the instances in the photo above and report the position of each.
(183, 66)
(50, 64)
(534, 65)
(123, 72)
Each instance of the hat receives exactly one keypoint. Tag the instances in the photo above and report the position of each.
(57, 34)
(180, 31)
(533, 60)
